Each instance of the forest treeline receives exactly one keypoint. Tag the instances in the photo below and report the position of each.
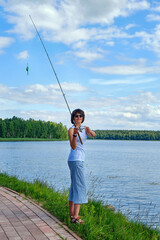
(19, 128)
(127, 134)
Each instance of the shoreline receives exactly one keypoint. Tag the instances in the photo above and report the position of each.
(100, 222)
(29, 139)
(54, 139)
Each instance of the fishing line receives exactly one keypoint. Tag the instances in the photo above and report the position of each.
(53, 71)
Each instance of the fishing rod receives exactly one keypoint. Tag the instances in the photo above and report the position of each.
(54, 72)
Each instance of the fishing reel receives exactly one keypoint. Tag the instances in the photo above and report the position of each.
(81, 128)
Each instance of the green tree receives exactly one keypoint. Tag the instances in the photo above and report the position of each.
(3, 129)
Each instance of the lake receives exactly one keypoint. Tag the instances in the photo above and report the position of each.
(124, 174)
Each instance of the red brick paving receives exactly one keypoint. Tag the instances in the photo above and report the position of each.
(21, 218)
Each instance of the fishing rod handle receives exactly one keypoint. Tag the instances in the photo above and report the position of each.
(78, 133)
(80, 138)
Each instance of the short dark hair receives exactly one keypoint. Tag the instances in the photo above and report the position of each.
(80, 111)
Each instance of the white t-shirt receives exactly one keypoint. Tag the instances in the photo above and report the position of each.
(78, 154)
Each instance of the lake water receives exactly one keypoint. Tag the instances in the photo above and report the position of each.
(125, 174)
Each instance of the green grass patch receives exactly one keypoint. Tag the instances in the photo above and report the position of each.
(100, 222)
(28, 139)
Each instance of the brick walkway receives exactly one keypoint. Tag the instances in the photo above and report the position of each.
(21, 218)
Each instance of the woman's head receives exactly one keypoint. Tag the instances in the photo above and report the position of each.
(76, 114)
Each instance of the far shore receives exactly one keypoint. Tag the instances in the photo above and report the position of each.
(54, 139)
(29, 139)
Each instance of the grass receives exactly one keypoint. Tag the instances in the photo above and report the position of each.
(28, 139)
(100, 222)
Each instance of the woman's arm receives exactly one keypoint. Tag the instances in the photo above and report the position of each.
(72, 138)
(90, 132)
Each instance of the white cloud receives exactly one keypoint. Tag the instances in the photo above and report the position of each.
(147, 98)
(156, 8)
(40, 94)
(88, 56)
(86, 27)
(139, 67)
(23, 55)
(138, 5)
(110, 33)
(5, 42)
(129, 115)
(138, 111)
(3, 89)
(99, 103)
(79, 44)
(150, 41)
(125, 69)
(128, 81)
(54, 116)
(131, 25)
(73, 87)
(44, 115)
(141, 111)
(104, 11)
(110, 43)
(153, 17)
(65, 20)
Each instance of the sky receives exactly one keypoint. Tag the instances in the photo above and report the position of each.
(106, 54)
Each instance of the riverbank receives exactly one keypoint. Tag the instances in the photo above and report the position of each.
(100, 222)
(29, 139)
(55, 139)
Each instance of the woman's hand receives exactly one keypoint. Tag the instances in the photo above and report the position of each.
(75, 130)
(90, 132)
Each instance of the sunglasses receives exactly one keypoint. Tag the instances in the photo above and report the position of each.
(76, 116)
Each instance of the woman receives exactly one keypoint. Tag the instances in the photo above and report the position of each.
(78, 193)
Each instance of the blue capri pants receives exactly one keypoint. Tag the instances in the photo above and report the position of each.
(78, 191)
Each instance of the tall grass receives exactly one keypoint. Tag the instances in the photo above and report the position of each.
(100, 222)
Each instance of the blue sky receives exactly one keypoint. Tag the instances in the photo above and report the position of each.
(106, 54)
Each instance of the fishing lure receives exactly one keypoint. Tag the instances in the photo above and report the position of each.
(27, 69)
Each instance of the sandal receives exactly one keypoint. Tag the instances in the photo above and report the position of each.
(72, 218)
(77, 220)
